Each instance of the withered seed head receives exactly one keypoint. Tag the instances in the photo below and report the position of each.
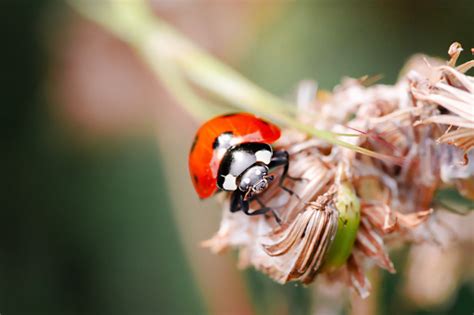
(426, 119)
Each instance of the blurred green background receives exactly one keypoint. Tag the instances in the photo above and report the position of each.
(98, 214)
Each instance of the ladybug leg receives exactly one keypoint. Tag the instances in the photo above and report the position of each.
(297, 179)
(266, 209)
(262, 210)
(237, 202)
(282, 158)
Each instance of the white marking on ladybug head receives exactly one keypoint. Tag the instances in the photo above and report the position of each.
(263, 156)
(246, 180)
(229, 182)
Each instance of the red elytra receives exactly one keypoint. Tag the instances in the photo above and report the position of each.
(204, 159)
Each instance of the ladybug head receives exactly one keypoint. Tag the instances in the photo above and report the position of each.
(254, 180)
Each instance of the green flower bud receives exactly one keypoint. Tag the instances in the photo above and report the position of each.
(348, 207)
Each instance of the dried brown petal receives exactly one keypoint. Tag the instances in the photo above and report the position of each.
(357, 278)
(370, 243)
(303, 244)
(454, 51)
(463, 138)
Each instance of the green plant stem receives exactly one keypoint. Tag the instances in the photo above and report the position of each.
(175, 59)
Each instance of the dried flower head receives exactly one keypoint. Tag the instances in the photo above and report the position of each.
(348, 207)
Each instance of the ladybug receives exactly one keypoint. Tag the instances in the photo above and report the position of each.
(233, 153)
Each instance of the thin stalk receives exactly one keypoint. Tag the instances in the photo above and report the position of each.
(175, 60)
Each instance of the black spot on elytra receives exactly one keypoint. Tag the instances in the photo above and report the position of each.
(216, 142)
(194, 143)
(196, 179)
(229, 115)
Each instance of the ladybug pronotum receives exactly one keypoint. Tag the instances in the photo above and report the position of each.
(233, 153)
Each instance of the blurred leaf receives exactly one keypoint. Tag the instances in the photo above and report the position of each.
(83, 230)
(452, 200)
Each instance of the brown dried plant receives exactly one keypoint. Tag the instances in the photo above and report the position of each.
(425, 121)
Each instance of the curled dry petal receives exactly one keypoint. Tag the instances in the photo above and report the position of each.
(304, 243)
(370, 242)
(412, 220)
(454, 51)
(463, 138)
(357, 278)
(447, 120)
